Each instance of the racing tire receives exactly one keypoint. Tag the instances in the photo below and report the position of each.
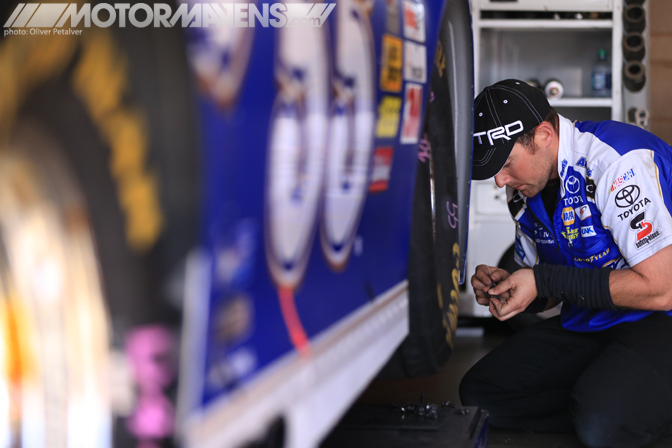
(440, 205)
(101, 127)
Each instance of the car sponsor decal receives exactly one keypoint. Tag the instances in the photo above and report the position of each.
(410, 125)
(391, 64)
(415, 63)
(392, 18)
(382, 166)
(388, 117)
(414, 20)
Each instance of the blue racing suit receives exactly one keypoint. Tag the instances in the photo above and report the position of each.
(613, 209)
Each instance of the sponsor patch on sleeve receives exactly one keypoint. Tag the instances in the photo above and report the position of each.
(583, 212)
(644, 230)
(623, 178)
(588, 231)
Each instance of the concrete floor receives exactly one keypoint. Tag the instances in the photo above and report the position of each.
(444, 387)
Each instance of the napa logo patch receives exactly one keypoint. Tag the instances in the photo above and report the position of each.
(568, 216)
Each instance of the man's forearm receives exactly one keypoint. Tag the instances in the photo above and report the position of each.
(629, 289)
(584, 287)
(588, 288)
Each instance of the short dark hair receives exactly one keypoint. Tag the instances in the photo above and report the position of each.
(527, 139)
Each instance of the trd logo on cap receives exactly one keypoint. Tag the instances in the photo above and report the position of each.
(501, 132)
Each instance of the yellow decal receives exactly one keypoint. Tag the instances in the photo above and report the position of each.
(570, 234)
(388, 117)
(391, 64)
(100, 80)
(449, 316)
(454, 295)
(593, 258)
(440, 59)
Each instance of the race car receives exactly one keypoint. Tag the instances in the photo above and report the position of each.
(219, 221)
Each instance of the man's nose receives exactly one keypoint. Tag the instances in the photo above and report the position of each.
(501, 179)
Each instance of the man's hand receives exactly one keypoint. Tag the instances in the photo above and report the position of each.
(484, 279)
(521, 290)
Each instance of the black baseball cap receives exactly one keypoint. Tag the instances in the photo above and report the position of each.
(503, 112)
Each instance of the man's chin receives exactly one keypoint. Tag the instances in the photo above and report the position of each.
(527, 191)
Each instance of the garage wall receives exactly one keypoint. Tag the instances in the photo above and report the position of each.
(660, 65)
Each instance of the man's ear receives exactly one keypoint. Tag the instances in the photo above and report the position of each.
(543, 134)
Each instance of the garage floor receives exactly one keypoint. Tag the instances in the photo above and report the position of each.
(469, 348)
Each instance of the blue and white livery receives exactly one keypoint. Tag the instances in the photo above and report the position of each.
(613, 209)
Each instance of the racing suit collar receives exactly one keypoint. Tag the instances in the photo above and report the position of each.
(565, 145)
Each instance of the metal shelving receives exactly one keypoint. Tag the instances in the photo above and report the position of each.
(546, 48)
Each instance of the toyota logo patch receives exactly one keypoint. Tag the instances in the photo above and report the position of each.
(627, 196)
(572, 185)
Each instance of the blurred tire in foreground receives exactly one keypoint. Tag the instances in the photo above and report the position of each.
(97, 213)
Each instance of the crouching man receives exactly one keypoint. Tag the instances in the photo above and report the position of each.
(591, 202)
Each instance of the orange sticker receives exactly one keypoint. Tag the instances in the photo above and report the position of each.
(391, 64)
